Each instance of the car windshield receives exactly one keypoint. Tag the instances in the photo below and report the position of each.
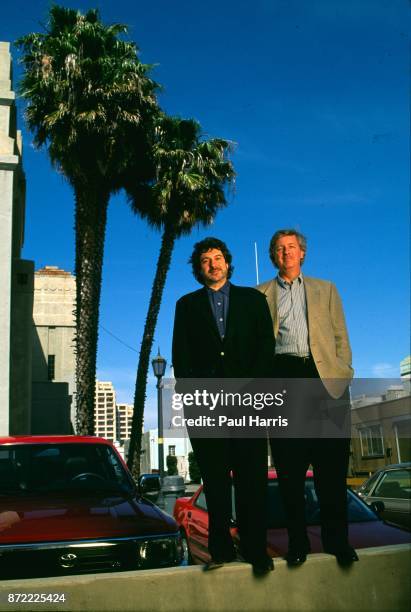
(358, 512)
(366, 487)
(27, 469)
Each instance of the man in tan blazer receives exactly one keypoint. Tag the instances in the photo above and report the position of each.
(311, 342)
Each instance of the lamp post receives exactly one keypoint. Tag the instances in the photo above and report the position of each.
(159, 368)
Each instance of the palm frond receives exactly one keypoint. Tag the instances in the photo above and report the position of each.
(86, 86)
(191, 176)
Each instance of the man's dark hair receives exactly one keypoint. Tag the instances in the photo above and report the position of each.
(202, 247)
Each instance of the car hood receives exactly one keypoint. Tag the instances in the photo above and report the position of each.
(361, 535)
(63, 518)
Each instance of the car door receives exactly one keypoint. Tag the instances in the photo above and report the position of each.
(197, 529)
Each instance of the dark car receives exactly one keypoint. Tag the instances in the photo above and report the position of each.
(365, 528)
(389, 491)
(68, 504)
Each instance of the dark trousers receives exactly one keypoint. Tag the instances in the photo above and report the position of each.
(247, 459)
(329, 459)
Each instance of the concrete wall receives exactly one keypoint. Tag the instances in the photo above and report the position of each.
(380, 581)
(54, 334)
(8, 164)
(20, 350)
(51, 404)
(14, 373)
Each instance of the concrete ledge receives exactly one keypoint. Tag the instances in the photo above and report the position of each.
(8, 162)
(380, 581)
(7, 97)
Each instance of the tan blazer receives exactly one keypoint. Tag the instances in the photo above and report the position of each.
(327, 332)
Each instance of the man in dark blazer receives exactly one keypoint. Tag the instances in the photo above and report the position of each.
(223, 331)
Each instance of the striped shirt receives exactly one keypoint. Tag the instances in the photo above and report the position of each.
(292, 336)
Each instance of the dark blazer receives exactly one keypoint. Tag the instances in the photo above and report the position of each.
(247, 350)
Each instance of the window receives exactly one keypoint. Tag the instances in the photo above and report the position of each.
(201, 501)
(22, 279)
(172, 451)
(51, 367)
(371, 439)
(366, 487)
(403, 438)
(395, 484)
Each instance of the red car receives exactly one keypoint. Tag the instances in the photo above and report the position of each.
(365, 528)
(68, 504)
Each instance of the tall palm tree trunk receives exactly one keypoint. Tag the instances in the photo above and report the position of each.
(163, 265)
(90, 228)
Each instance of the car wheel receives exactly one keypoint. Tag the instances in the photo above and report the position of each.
(187, 558)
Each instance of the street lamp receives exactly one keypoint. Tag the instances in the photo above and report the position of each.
(159, 368)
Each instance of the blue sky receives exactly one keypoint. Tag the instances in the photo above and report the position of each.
(315, 96)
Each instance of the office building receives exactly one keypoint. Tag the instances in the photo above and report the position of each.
(105, 411)
(124, 414)
(54, 360)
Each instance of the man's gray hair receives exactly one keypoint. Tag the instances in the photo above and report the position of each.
(302, 241)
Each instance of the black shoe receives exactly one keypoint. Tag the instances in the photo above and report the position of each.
(213, 564)
(345, 556)
(264, 567)
(295, 558)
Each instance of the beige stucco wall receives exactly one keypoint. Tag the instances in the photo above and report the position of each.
(54, 329)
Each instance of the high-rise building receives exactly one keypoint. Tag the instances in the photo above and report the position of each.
(124, 421)
(16, 274)
(105, 411)
(54, 362)
(405, 369)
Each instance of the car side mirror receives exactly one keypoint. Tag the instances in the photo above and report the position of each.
(378, 507)
(149, 487)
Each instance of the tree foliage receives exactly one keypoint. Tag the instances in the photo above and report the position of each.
(193, 469)
(88, 96)
(189, 188)
(90, 102)
(171, 465)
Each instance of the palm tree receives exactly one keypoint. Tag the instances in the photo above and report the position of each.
(89, 101)
(188, 190)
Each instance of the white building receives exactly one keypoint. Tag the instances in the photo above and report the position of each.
(178, 447)
(105, 411)
(124, 413)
